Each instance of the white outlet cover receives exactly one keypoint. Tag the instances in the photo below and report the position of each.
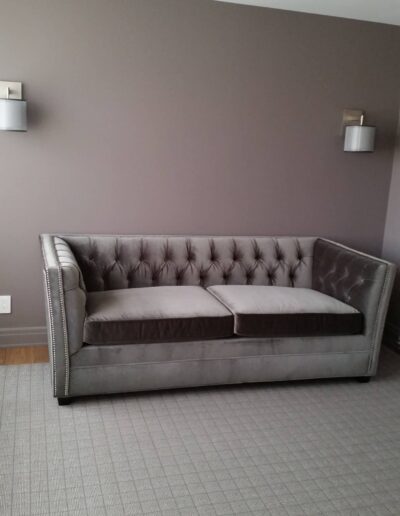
(5, 304)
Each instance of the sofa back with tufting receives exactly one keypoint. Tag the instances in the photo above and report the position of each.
(116, 262)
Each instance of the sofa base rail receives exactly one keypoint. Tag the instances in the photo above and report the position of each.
(128, 377)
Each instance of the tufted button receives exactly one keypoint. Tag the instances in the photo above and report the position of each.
(155, 274)
(271, 275)
(258, 254)
(236, 253)
(213, 257)
(202, 276)
(168, 256)
(213, 251)
(279, 256)
(190, 256)
(142, 252)
(190, 251)
(249, 277)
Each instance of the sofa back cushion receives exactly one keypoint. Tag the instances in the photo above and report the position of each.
(116, 262)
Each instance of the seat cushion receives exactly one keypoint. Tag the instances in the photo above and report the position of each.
(155, 314)
(261, 311)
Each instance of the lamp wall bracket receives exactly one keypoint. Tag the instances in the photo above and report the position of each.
(10, 90)
(352, 117)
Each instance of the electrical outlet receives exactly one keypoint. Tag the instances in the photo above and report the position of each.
(5, 304)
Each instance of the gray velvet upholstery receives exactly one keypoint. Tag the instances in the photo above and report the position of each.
(77, 266)
(65, 296)
(283, 311)
(222, 349)
(362, 281)
(354, 278)
(155, 314)
(110, 263)
(107, 378)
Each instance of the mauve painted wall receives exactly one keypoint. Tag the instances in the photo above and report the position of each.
(188, 116)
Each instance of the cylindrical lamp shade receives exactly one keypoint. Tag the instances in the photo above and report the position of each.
(13, 115)
(359, 138)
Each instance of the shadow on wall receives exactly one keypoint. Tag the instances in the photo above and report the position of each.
(391, 247)
(392, 329)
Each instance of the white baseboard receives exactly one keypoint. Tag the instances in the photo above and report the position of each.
(25, 336)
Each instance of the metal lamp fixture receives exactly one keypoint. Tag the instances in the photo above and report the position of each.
(358, 137)
(12, 107)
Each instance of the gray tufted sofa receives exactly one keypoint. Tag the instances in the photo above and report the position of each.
(220, 310)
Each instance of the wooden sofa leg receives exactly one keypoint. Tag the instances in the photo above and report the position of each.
(363, 379)
(64, 401)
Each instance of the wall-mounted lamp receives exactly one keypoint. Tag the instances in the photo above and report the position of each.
(12, 107)
(357, 137)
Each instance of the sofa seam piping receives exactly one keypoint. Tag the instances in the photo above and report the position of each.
(221, 358)
(365, 255)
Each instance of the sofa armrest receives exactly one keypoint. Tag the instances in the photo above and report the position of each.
(65, 308)
(360, 280)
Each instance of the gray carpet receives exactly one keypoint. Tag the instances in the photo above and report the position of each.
(304, 448)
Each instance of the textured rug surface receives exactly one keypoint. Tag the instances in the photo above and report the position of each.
(303, 448)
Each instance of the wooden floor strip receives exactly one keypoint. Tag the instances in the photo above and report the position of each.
(23, 355)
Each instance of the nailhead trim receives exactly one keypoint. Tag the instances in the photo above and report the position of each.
(64, 327)
(51, 321)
